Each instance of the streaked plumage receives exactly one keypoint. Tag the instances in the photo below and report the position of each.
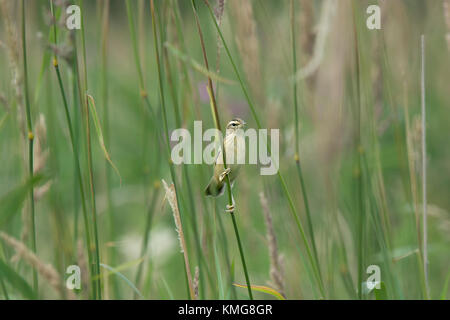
(216, 185)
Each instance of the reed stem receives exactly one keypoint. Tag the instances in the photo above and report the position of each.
(297, 138)
(217, 122)
(424, 167)
(359, 152)
(164, 112)
(84, 98)
(314, 262)
(74, 149)
(200, 259)
(30, 137)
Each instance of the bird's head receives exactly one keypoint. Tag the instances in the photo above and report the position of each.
(235, 124)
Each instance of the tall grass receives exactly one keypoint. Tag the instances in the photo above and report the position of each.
(164, 111)
(85, 102)
(314, 262)
(75, 155)
(30, 141)
(424, 162)
(203, 267)
(359, 150)
(218, 126)
(104, 46)
(297, 135)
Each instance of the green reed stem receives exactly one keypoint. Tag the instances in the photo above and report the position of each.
(164, 112)
(77, 162)
(359, 151)
(84, 112)
(137, 60)
(93, 202)
(185, 79)
(147, 228)
(30, 137)
(224, 241)
(74, 149)
(314, 262)
(202, 264)
(135, 49)
(106, 129)
(424, 167)
(217, 122)
(89, 155)
(76, 124)
(145, 100)
(297, 139)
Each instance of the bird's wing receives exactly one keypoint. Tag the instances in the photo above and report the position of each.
(219, 154)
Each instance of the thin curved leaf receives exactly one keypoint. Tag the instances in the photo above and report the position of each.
(197, 66)
(122, 267)
(98, 128)
(120, 275)
(264, 289)
(166, 286)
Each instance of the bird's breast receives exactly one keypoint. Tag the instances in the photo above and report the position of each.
(235, 146)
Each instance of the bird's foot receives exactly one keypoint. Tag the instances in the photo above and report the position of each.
(230, 208)
(224, 174)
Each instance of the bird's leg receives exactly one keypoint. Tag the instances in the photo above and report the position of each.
(223, 174)
(230, 208)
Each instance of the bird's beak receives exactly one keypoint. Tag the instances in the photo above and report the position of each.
(244, 124)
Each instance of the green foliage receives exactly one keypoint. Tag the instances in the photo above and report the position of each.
(348, 193)
(12, 202)
(16, 281)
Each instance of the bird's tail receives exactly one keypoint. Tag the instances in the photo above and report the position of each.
(214, 188)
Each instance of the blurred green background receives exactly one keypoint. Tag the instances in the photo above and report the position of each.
(360, 158)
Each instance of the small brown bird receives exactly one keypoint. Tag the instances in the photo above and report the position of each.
(232, 143)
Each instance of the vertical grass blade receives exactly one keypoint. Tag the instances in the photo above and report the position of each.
(163, 107)
(185, 172)
(358, 152)
(30, 142)
(297, 138)
(84, 98)
(312, 260)
(217, 122)
(424, 165)
(74, 150)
